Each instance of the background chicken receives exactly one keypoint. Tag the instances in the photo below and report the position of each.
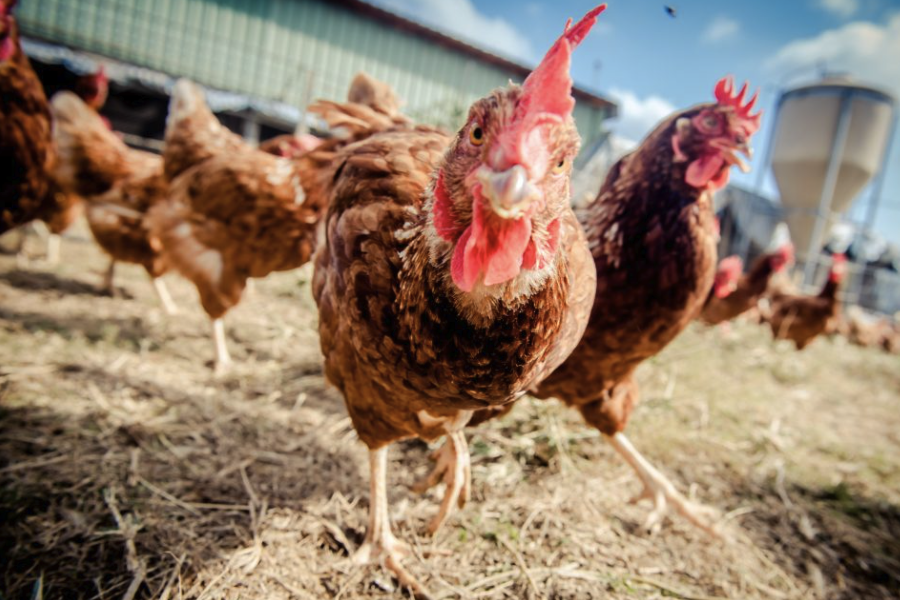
(119, 185)
(728, 273)
(455, 275)
(726, 302)
(93, 89)
(802, 318)
(233, 211)
(653, 238)
(27, 156)
(864, 329)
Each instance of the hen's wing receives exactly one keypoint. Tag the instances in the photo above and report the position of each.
(377, 191)
(193, 133)
(583, 285)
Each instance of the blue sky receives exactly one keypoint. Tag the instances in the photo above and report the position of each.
(652, 64)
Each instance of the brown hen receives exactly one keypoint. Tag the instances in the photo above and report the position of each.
(27, 157)
(234, 212)
(726, 302)
(803, 318)
(119, 185)
(454, 277)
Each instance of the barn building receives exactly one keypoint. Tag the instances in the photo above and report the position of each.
(262, 60)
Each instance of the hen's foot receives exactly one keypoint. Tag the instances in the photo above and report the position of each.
(381, 546)
(662, 493)
(454, 469)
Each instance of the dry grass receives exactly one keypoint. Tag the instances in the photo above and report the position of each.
(128, 471)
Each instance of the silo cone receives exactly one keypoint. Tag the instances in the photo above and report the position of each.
(829, 142)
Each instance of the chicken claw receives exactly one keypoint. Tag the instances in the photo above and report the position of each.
(659, 490)
(454, 468)
(381, 546)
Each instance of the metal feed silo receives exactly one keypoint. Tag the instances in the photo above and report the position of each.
(829, 141)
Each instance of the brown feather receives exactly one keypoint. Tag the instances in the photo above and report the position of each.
(27, 156)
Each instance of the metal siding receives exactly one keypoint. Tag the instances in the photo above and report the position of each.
(269, 48)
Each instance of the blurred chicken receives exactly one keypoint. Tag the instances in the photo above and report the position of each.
(93, 89)
(868, 330)
(454, 277)
(734, 294)
(119, 185)
(802, 318)
(233, 211)
(891, 340)
(27, 157)
(67, 206)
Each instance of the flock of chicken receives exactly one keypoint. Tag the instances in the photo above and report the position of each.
(451, 274)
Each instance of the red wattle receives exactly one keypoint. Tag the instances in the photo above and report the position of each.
(705, 169)
(7, 48)
(490, 246)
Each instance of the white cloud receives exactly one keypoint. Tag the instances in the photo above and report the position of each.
(461, 19)
(839, 8)
(721, 28)
(638, 116)
(861, 49)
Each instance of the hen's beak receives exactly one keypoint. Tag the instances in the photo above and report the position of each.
(730, 148)
(509, 192)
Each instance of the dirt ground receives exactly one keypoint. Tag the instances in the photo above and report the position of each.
(128, 471)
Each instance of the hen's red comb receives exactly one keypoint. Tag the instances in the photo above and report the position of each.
(726, 97)
(548, 88)
(731, 265)
(837, 259)
(787, 251)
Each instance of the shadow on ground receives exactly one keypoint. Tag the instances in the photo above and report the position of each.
(182, 476)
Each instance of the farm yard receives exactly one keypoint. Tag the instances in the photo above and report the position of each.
(363, 299)
(128, 470)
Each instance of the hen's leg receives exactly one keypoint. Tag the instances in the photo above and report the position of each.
(380, 545)
(54, 241)
(454, 469)
(107, 285)
(164, 297)
(223, 358)
(21, 257)
(659, 490)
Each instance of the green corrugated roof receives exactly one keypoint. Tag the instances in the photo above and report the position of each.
(289, 50)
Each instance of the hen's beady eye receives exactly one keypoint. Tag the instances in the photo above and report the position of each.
(560, 166)
(476, 135)
(709, 122)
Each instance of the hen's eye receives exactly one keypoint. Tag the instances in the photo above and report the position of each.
(476, 136)
(710, 121)
(560, 166)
